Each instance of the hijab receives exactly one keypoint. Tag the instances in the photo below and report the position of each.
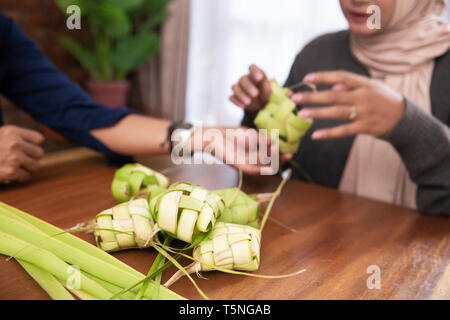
(402, 56)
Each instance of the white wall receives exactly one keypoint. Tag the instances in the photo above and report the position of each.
(226, 36)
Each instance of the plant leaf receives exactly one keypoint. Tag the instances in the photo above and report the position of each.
(110, 19)
(154, 21)
(84, 56)
(153, 6)
(128, 5)
(132, 51)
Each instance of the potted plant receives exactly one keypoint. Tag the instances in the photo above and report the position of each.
(123, 34)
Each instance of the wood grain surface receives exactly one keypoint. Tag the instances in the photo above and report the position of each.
(338, 236)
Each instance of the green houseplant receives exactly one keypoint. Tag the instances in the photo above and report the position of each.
(122, 36)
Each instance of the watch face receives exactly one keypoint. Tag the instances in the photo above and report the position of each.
(180, 135)
(184, 134)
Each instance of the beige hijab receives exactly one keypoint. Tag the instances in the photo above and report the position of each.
(402, 57)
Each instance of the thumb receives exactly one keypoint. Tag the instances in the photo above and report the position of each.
(258, 75)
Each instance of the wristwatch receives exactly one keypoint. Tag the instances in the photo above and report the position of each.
(184, 130)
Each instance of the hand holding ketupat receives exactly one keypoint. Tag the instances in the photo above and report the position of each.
(371, 105)
(276, 112)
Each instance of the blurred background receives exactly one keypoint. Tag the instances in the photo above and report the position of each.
(198, 49)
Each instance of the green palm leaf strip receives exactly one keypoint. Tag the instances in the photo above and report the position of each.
(21, 230)
(280, 114)
(47, 281)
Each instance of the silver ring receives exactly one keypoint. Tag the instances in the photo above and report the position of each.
(352, 115)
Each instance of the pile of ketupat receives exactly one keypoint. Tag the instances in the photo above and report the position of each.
(223, 227)
(220, 226)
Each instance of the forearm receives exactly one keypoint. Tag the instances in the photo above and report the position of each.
(423, 142)
(135, 135)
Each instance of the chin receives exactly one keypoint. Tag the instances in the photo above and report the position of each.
(362, 30)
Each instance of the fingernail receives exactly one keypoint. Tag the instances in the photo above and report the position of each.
(338, 87)
(258, 75)
(246, 100)
(297, 97)
(310, 77)
(317, 135)
(305, 113)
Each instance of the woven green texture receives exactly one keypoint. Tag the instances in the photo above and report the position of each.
(133, 221)
(280, 114)
(240, 207)
(134, 178)
(186, 211)
(230, 246)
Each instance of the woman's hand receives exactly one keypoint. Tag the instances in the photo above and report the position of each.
(252, 91)
(373, 107)
(19, 153)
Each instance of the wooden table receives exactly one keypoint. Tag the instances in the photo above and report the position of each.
(337, 237)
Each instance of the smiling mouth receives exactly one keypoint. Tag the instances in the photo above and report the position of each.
(358, 17)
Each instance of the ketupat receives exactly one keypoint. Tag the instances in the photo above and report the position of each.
(130, 224)
(281, 114)
(183, 210)
(230, 246)
(133, 221)
(186, 211)
(241, 208)
(133, 178)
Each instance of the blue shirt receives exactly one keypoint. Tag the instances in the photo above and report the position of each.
(34, 84)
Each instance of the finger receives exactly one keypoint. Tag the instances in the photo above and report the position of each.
(254, 140)
(255, 169)
(31, 135)
(248, 87)
(21, 175)
(30, 164)
(265, 90)
(264, 138)
(257, 74)
(334, 112)
(337, 132)
(285, 158)
(340, 87)
(350, 80)
(241, 95)
(32, 150)
(328, 97)
(237, 102)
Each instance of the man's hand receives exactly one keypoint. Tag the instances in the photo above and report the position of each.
(252, 91)
(19, 153)
(240, 147)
